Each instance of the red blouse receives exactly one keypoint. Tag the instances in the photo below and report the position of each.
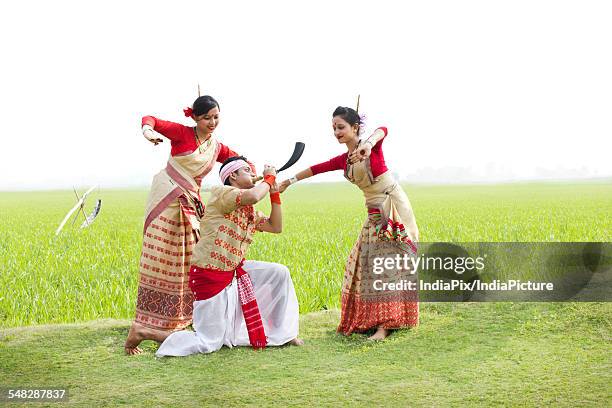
(377, 160)
(182, 138)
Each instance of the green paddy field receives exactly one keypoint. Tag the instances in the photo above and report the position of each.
(65, 305)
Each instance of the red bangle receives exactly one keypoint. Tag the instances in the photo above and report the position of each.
(275, 198)
(270, 179)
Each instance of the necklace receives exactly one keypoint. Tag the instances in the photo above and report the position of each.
(350, 170)
(201, 145)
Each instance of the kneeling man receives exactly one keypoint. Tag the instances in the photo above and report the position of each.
(237, 302)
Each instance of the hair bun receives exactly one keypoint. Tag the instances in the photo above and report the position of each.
(203, 104)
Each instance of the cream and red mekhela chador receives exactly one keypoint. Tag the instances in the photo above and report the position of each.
(233, 308)
(172, 225)
(389, 228)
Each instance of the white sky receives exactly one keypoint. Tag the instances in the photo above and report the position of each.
(479, 90)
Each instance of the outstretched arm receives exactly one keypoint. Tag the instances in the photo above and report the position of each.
(335, 163)
(173, 131)
(304, 174)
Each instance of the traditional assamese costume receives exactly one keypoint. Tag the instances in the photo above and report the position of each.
(172, 226)
(390, 220)
(237, 302)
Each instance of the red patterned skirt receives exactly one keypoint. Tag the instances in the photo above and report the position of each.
(165, 301)
(364, 305)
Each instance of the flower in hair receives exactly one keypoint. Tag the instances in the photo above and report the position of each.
(188, 112)
(362, 122)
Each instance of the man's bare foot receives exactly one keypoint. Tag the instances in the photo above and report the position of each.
(381, 334)
(296, 342)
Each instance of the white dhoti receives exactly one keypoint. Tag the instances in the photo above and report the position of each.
(218, 321)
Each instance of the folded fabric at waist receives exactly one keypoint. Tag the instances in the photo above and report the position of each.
(206, 283)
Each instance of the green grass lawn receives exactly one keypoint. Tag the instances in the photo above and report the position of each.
(495, 354)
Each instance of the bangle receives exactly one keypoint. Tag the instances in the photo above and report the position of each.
(293, 180)
(270, 179)
(145, 128)
(275, 198)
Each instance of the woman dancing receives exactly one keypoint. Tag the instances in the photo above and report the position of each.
(171, 226)
(390, 223)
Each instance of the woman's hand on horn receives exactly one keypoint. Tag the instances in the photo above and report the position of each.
(283, 185)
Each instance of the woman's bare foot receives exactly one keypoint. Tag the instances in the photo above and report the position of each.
(139, 333)
(132, 351)
(381, 334)
(135, 336)
(296, 342)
